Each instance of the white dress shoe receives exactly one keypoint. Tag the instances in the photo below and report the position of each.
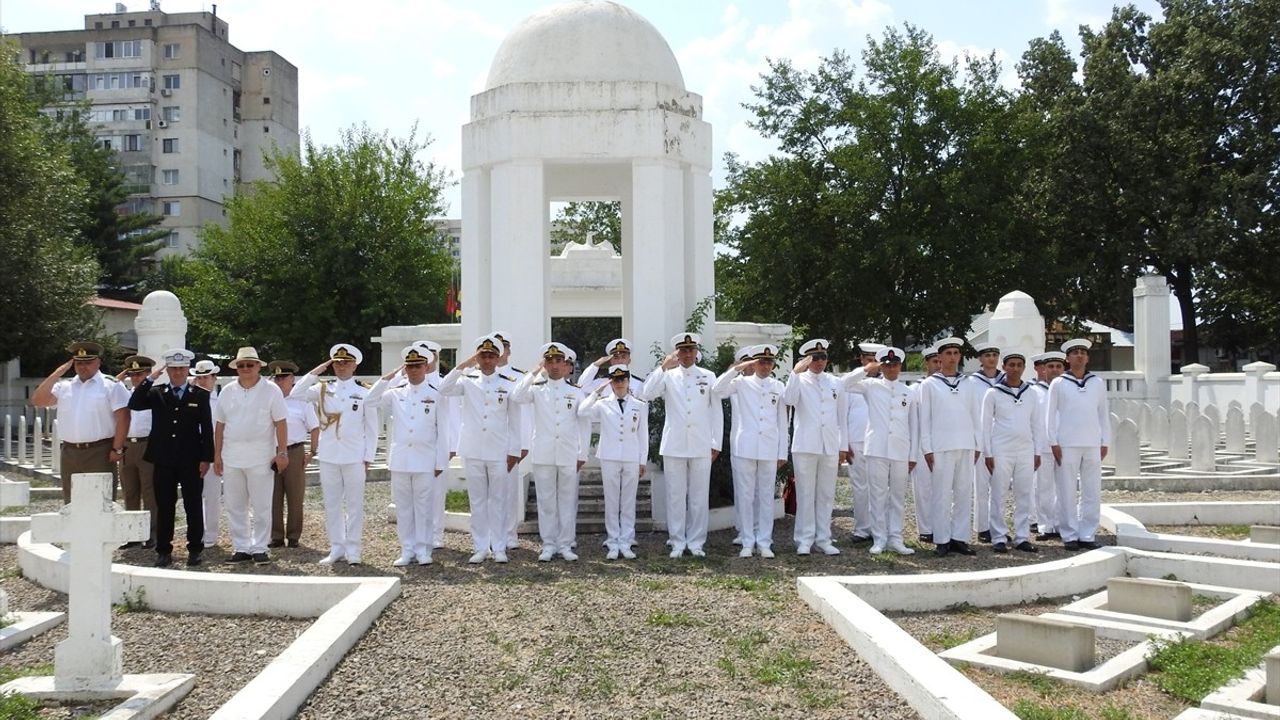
(424, 558)
(802, 549)
(697, 552)
(876, 549)
(829, 549)
(500, 557)
(478, 558)
(901, 549)
(744, 552)
(546, 554)
(677, 552)
(766, 553)
(628, 553)
(568, 554)
(437, 545)
(331, 558)
(353, 560)
(403, 560)
(612, 554)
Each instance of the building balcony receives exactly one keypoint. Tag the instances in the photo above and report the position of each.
(137, 188)
(56, 67)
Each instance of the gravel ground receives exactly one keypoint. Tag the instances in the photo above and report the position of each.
(654, 637)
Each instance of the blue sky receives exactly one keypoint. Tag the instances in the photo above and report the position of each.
(391, 63)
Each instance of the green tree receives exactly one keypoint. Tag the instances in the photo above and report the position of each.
(47, 278)
(338, 247)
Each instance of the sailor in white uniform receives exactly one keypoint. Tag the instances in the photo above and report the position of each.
(818, 445)
(949, 413)
(623, 453)
(1012, 428)
(986, 377)
(1079, 431)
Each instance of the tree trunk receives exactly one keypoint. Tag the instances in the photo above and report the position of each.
(1180, 281)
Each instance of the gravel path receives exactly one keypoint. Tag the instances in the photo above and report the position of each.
(654, 637)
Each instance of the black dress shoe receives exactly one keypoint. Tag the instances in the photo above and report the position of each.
(942, 550)
(148, 544)
(984, 536)
(1026, 547)
(859, 539)
(275, 544)
(164, 561)
(261, 558)
(1000, 548)
(1035, 529)
(194, 559)
(130, 544)
(294, 543)
(926, 538)
(240, 557)
(1071, 545)
(962, 548)
(1049, 536)
(1089, 545)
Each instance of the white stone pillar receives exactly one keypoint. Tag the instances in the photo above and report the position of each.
(654, 300)
(699, 233)
(1254, 389)
(475, 253)
(519, 264)
(1191, 376)
(1017, 325)
(1151, 352)
(160, 324)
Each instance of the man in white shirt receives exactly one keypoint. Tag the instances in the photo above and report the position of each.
(949, 414)
(986, 377)
(249, 428)
(93, 414)
(558, 447)
(204, 375)
(519, 493)
(921, 476)
(623, 453)
(137, 474)
(1079, 432)
(1012, 427)
(856, 431)
(691, 438)
(1048, 365)
(888, 444)
(417, 448)
(291, 485)
(490, 444)
(451, 415)
(818, 445)
(757, 444)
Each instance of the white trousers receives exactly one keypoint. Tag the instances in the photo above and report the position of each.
(439, 491)
(489, 490)
(517, 501)
(951, 493)
(1047, 495)
(248, 494)
(1017, 472)
(557, 487)
(1079, 493)
(343, 486)
(981, 495)
(753, 484)
(688, 499)
(815, 497)
(212, 499)
(621, 479)
(888, 479)
(860, 485)
(411, 492)
(921, 482)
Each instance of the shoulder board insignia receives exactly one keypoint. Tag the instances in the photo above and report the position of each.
(433, 387)
(110, 378)
(570, 383)
(472, 375)
(362, 383)
(637, 377)
(516, 370)
(506, 377)
(540, 382)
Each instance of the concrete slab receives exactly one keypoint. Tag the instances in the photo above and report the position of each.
(1041, 641)
(145, 696)
(1150, 598)
(1233, 606)
(1265, 534)
(27, 625)
(1244, 697)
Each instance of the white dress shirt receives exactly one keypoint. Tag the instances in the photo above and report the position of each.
(490, 429)
(759, 430)
(249, 416)
(821, 407)
(856, 421)
(950, 411)
(560, 436)
(86, 410)
(1077, 415)
(624, 426)
(695, 417)
(417, 425)
(139, 422)
(1041, 389)
(302, 419)
(348, 434)
(890, 414)
(1012, 422)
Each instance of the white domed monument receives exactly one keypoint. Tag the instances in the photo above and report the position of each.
(585, 102)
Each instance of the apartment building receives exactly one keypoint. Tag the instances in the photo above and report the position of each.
(188, 113)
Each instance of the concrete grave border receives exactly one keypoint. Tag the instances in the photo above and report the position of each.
(1243, 697)
(343, 608)
(1219, 618)
(145, 696)
(1128, 522)
(27, 625)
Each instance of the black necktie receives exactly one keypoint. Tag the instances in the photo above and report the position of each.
(622, 405)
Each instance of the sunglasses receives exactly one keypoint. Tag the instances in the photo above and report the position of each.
(247, 366)
(818, 356)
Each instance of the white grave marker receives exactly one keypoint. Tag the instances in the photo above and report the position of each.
(1204, 437)
(1126, 454)
(1178, 435)
(1159, 437)
(1235, 430)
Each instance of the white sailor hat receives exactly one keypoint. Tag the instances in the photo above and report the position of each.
(416, 354)
(1054, 356)
(950, 342)
(178, 357)
(1037, 359)
(618, 372)
(745, 352)
(502, 335)
(766, 352)
(988, 347)
(815, 346)
(890, 355)
(617, 345)
(554, 350)
(431, 345)
(685, 340)
(1070, 345)
(1011, 355)
(870, 348)
(205, 367)
(346, 353)
(931, 351)
(490, 343)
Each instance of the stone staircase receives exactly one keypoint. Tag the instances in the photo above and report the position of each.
(591, 504)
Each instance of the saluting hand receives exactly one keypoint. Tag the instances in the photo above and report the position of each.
(670, 361)
(321, 367)
(804, 363)
(63, 368)
(603, 361)
(745, 366)
(155, 373)
(120, 375)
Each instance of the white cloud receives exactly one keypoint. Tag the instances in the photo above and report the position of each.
(950, 50)
(1069, 15)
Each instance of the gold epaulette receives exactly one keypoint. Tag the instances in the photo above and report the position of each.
(504, 377)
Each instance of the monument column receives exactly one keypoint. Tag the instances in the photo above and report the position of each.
(475, 253)
(1151, 352)
(654, 294)
(519, 258)
(699, 229)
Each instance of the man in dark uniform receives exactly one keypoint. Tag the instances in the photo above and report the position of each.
(180, 447)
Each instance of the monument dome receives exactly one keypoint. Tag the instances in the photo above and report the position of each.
(585, 41)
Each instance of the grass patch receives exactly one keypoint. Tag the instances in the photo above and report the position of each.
(1204, 602)
(962, 608)
(1044, 685)
(784, 667)
(1190, 669)
(1032, 710)
(727, 666)
(9, 673)
(6, 621)
(133, 602)
(947, 639)
(662, 618)
(13, 572)
(655, 585)
(1232, 532)
(743, 584)
(1111, 712)
(815, 698)
(18, 707)
(457, 501)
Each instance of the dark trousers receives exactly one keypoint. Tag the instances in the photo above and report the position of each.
(168, 478)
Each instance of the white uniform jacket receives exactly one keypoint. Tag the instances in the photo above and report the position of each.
(695, 417)
(856, 422)
(560, 436)
(348, 434)
(1012, 423)
(1077, 415)
(950, 412)
(759, 430)
(1041, 389)
(890, 414)
(624, 427)
(490, 429)
(417, 425)
(821, 406)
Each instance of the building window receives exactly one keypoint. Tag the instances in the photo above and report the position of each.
(132, 23)
(131, 49)
(173, 113)
(172, 82)
(115, 23)
(169, 145)
(97, 25)
(142, 113)
(132, 143)
(266, 100)
(169, 177)
(173, 240)
(172, 51)
(172, 208)
(147, 22)
(105, 143)
(266, 129)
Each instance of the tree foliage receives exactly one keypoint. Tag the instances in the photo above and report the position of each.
(339, 247)
(578, 221)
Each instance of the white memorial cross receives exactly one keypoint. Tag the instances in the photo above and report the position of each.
(91, 527)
